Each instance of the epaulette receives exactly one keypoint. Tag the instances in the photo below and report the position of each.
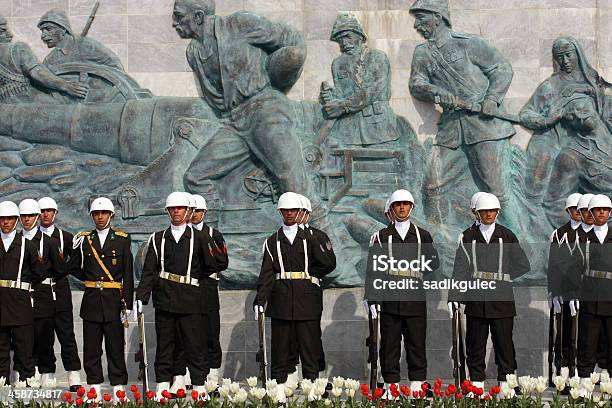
(122, 234)
(83, 233)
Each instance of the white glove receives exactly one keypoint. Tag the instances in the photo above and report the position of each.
(557, 304)
(574, 306)
(366, 306)
(258, 310)
(125, 317)
(373, 312)
(138, 306)
(452, 306)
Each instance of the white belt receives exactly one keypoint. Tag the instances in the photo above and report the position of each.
(493, 276)
(48, 281)
(186, 280)
(598, 274)
(6, 283)
(285, 275)
(408, 273)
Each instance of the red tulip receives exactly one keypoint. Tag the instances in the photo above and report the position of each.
(181, 393)
(201, 402)
(395, 393)
(79, 401)
(478, 391)
(393, 386)
(67, 396)
(162, 401)
(415, 394)
(487, 397)
(120, 394)
(424, 386)
(91, 395)
(81, 391)
(437, 392)
(369, 397)
(459, 396)
(451, 389)
(422, 394)
(106, 397)
(405, 390)
(137, 395)
(495, 390)
(378, 393)
(466, 385)
(194, 395)
(365, 388)
(166, 394)
(69, 402)
(133, 388)
(150, 394)
(202, 395)
(139, 402)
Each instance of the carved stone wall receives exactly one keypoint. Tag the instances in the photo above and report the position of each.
(141, 33)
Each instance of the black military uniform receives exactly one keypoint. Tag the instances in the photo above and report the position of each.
(408, 318)
(502, 260)
(211, 319)
(103, 300)
(326, 247)
(595, 300)
(53, 308)
(16, 316)
(289, 283)
(177, 299)
(563, 243)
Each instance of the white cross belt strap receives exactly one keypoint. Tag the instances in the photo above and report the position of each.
(499, 275)
(301, 275)
(184, 279)
(418, 236)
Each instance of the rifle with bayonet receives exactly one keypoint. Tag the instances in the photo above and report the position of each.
(262, 354)
(141, 354)
(458, 349)
(477, 108)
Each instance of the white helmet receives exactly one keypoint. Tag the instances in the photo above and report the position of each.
(584, 201)
(102, 204)
(9, 209)
(475, 198)
(387, 205)
(306, 205)
(600, 201)
(572, 200)
(487, 201)
(177, 199)
(29, 206)
(288, 201)
(192, 202)
(400, 195)
(47, 203)
(200, 202)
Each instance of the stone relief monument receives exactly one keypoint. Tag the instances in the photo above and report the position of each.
(77, 125)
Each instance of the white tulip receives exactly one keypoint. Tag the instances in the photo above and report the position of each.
(224, 391)
(289, 391)
(540, 388)
(338, 382)
(307, 386)
(252, 381)
(225, 382)
(559, 382)
(210, 386)
(327, 402)
(596, 398)
(234, 387)
(594, 378)
(240, 396)
(574, 382)
(588, 386)
(507, 390)
(336, 392)
(575, 393)
(604, 376)
(350, 393)
(258, 393)
(352, 384)
(511, 380)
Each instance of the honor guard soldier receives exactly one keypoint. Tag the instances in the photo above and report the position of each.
(63, 317)
(177, 260)
(407, 319)
(586, 224)
(563, 243)
(327, 249)
(20, 266)
(596, 290)
(210, 299)
(102, 258)
(50, 311)
(289, 287)
(490, 252)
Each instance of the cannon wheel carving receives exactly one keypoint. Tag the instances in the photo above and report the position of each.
(107, 85)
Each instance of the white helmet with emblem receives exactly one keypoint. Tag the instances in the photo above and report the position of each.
(487, 201)
(177, 199)
(600, 201)
(47, 203)
(200, 202)
(475, 198)
(572, 200)
(9, 209)
(102, 204)
(583, 203)
(192, 201)
(289, 200)
(401, 195)
(306, 204)
(28, 207)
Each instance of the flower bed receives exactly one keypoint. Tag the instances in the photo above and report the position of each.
(348, 393)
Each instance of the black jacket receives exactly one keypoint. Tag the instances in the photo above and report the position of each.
(210, 286)
(563, 243)
(412, 301)
(63, 294)
(483, 303)
(595, 292)
(293, 299)
(54, 268)
(171, 296)
(103, 305)
(16, 304)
